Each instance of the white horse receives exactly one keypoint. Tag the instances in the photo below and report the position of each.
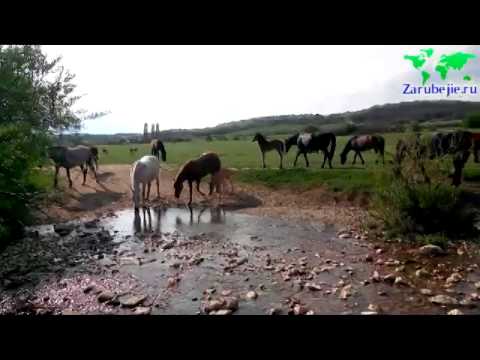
(144, 171)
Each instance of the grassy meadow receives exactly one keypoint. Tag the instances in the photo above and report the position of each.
(245, 156)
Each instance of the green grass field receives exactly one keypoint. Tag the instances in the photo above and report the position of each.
(245, 155)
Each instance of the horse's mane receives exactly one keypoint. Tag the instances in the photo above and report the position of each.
(181, 170)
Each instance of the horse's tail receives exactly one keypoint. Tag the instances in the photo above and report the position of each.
(333, 145)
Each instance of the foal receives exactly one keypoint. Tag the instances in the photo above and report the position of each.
(266, 146)
(220, 179)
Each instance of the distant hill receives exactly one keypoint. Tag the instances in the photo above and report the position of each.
(378, 118)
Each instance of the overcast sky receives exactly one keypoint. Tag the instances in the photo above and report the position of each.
(199, 86)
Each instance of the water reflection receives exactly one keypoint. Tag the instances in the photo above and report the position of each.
(149, 220)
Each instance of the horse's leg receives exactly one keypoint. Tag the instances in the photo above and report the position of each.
(296, 158)
(158, 188)
(281, 159)
(198, 188)
(355, 158)
(144, 188)
(324, 158)
(84, 171)
(55, 180)
(361, 158)
(148, 189)
(263, 159)
(306, 159)
(190, 186)
(69, 179)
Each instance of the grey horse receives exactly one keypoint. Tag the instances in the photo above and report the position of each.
(69, 157)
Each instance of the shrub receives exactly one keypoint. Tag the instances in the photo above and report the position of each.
(416, 199)
(21, 151)
(472, 121)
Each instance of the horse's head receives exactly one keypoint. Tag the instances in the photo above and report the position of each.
(256, 137)
(292, 140)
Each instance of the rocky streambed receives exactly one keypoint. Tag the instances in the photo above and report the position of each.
(212, 261)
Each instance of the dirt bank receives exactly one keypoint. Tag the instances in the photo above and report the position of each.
(113, 193)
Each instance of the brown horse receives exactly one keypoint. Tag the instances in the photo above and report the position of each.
(363, 143)
(194, 170)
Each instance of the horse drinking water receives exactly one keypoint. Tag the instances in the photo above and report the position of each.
(143, 172)
(266, 146)
(309, 143)
(157, 148)
(69, 157)
(194, 170)
(363, 143)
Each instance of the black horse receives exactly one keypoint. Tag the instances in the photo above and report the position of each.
(157, 147)
(309, 143)
(363, 143)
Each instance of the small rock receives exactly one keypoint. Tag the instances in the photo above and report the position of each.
(251, 295)
(88, 289)
(477, 285)
(443, 300)
(209, 291)
(431, 250)
(376, 276)
(422, 273)
(226, 292)
(141, 310)
(274, 311)
(132, 301)
(299, 309)
(379, 251)
(454, 278)
(214, 305)
(313, 287)
(401, 281)
(368, 258)
(344, 236)
(390, 278)
(346, 292)
(467, 303)
(105, 296)
(426, 292)
(231, 303)
(374, 308)
(455, 312)
(310, 312)
(400, 269)
(221, 312)
(379, 262)
(368, 313)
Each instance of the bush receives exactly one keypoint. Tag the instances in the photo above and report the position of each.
(472, 121)
(21, 151)
(416, 199)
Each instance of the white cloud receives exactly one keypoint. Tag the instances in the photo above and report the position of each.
(198, 86)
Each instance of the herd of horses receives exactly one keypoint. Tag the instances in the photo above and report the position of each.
(147, 168)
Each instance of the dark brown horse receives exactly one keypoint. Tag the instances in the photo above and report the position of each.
(362, 143)
(157, 148)
(194, 170)
(309, 143)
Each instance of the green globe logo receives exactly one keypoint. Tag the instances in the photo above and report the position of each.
(447, 62)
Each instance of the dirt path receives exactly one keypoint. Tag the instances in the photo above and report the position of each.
(113, 193)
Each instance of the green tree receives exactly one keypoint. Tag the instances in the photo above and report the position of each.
(36, 100)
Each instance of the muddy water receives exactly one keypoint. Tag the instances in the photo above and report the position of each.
(165, 240)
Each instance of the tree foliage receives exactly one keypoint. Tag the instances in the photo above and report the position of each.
(36, 99)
